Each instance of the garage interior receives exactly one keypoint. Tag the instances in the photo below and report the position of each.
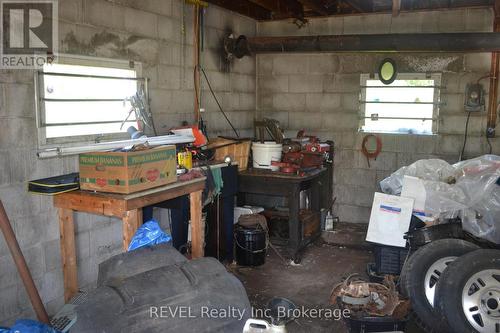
(334, 155)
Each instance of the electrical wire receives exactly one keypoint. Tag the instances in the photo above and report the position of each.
(465, 137)
(489, 144)
(217, 101)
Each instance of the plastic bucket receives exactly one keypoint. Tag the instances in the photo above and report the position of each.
(251, 246)
(264, 153)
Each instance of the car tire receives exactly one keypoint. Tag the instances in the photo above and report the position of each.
(421, 274)
(468, 294)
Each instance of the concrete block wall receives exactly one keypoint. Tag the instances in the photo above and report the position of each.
(152, 33)
(320, 92)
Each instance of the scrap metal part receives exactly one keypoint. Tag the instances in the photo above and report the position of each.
(373, 299)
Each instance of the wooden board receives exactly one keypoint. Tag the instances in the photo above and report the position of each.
(68, 253)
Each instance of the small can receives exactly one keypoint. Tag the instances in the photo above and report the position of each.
(185, 159)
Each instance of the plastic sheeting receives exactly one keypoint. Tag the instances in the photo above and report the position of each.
(468, 190)
(148, 234)
(28, 326)
(433, 169)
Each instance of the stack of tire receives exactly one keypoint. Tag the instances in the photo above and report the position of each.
(454, 287)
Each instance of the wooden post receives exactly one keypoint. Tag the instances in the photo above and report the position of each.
(396, 7)
(196, 227)
(68, 253)
(131, 222)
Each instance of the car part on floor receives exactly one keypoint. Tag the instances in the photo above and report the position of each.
(365, 299)
(173, 298)
(468, 296)
(422, 272)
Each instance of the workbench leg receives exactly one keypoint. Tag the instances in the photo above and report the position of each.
(294, 224)
(197, 235)
(131, 222)
(68, 253)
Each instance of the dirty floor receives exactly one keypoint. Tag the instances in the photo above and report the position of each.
(309, 284)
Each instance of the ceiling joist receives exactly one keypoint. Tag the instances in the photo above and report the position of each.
(359, 5)
(301, 9)
(317, 6)
(281, 8)
(244, 7)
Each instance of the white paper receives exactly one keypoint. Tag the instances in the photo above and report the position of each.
(413, 187)
(389, 219)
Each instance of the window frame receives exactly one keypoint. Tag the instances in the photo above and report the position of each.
(77, 60)
(437, 77)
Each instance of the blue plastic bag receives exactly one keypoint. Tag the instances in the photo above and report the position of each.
(29, 326)
(148, 234)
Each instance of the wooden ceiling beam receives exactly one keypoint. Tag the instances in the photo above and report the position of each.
(317, 6)
(244, 7)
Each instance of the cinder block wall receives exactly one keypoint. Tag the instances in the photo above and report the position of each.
(320, 92)
(153, 35)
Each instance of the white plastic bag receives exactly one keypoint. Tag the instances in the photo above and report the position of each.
(474, 196)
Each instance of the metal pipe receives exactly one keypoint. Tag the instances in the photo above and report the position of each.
(22, 267)
(405, 87)
(376, 43)
(67, 100)
(89, 123)
(398, 118)
(382, 102)
(105, 146)
(494, 72)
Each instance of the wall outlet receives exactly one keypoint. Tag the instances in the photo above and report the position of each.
(474, 98)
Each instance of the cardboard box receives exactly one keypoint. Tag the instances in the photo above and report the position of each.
(128, 172)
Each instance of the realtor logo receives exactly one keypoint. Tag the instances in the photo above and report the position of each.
(29, 33)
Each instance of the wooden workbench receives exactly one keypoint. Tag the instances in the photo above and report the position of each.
(264, 182)
(129, 209)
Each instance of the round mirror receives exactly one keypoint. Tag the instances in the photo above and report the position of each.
(387, 71)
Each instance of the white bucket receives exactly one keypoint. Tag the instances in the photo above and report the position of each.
(265, 153)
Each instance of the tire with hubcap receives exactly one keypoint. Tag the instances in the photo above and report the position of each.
(468, 294)
(421, 274)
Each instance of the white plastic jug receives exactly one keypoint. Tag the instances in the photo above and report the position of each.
(265, 153)
(262, 326)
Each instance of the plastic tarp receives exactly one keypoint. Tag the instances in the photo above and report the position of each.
(148, 234)
(468, 189)
(28, 326)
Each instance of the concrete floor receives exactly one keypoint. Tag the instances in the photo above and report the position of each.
(309, 284)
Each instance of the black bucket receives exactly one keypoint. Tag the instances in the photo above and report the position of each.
(251, 246)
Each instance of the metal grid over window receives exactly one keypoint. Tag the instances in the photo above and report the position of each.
(409, 105)
(83, 100)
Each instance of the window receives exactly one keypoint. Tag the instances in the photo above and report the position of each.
(408, 105)
(86, 100)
